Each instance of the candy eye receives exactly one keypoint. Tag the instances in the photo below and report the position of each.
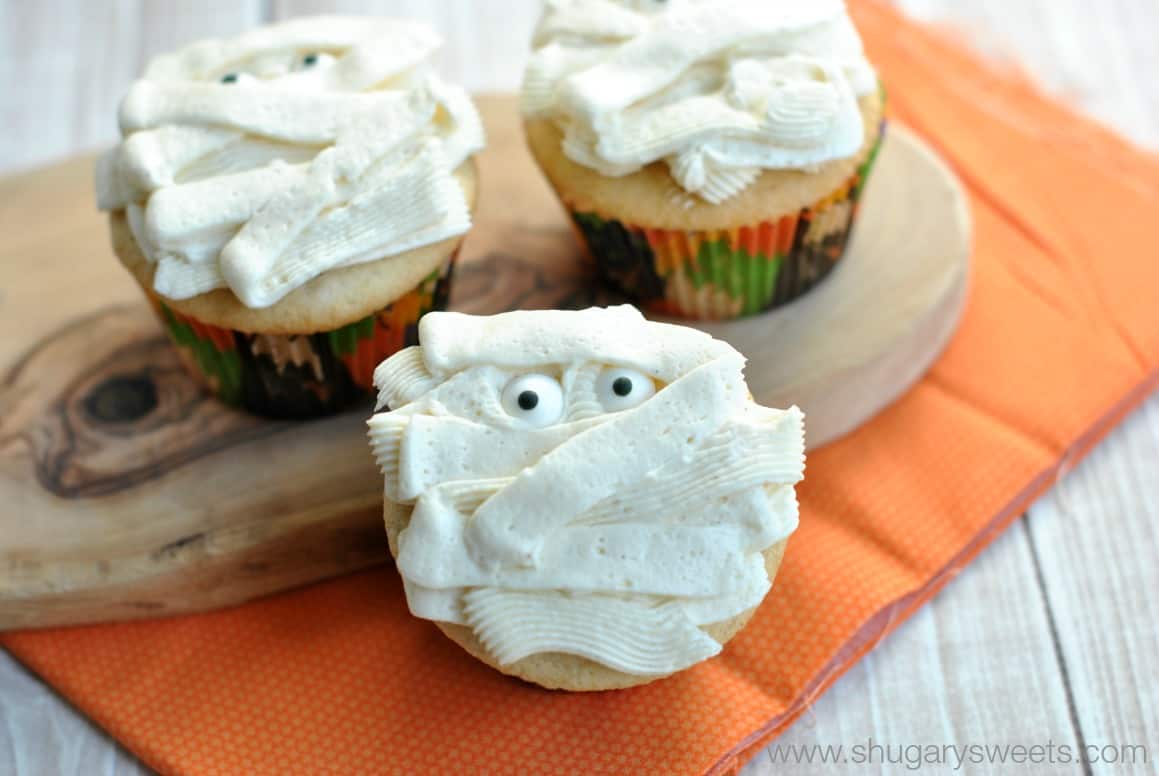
(619, 388)
(536, 399)
(314, 59)
(235, 78)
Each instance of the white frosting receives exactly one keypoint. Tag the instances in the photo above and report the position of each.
(718, 89)
(292, 169)
(613, 534)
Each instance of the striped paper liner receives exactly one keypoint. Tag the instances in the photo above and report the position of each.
(727, 273)
(301, 375)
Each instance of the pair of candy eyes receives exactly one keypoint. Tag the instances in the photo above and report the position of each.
(307, 61)
(537, 399)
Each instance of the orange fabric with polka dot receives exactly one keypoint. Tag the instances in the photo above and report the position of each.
(1060, 339)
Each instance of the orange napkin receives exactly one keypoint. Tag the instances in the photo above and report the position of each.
(1060, 339)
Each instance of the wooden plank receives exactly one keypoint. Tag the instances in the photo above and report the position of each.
(37, 70)
(975, 666)
(1110, 50)
(41, 734)
(67, 63)
(1091, 55)
(1096, 535)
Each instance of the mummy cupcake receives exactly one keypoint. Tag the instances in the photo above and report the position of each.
(586, 500)
(291, 201)
(710, 152)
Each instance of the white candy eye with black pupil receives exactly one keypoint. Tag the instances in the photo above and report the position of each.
(535, 399)
(315, 59)
(237, 78)
(620, 388)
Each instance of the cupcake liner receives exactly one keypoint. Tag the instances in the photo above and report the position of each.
(301, 375)
(726, 273)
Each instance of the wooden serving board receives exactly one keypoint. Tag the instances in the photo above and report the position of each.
(125, 492)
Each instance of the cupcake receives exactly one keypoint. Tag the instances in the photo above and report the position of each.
(710, 152)
(586, 500)
(291, 201)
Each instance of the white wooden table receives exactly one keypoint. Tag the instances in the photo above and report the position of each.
(1051, 636)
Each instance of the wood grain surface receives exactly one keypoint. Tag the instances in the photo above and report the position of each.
(111, 449)
(1051, 633)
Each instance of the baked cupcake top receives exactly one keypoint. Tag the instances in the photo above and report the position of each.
(258, 163)
(588, 483)
(720, 90)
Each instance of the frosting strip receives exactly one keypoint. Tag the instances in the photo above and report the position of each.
(604, 460)
(658, 640)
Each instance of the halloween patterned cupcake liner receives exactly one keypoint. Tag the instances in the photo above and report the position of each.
(726, 273)
(301, 375)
